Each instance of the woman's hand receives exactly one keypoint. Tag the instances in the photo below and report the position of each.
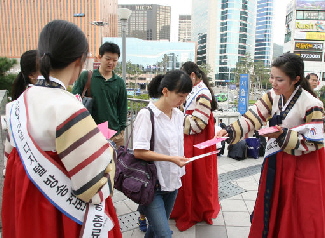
(274, 134)
(221, 133)
(179, 160)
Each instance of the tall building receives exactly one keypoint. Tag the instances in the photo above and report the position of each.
(263, 33)
(305, 34)
(225, 32)
(184, 28)
(148, 21)
(150, 54)
(22, 21)
(154, 57)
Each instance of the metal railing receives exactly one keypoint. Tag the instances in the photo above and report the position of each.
(135, 105)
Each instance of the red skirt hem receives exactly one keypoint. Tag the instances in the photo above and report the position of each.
(27, 213)
(197, 199)
(297, 207)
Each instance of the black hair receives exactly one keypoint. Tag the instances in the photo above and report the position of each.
(60, 43)
(175, 80)
(27, 67)
(308, 75)
(191, 67)
(109, 47)
(293, 65)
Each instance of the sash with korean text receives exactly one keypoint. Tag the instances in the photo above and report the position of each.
(52, 182)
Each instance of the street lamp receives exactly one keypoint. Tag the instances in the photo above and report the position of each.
(124, 14)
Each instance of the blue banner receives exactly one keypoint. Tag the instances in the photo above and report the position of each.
(243, 93)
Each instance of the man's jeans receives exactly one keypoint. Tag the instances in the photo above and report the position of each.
(158, 212)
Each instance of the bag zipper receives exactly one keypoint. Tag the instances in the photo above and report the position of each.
(145, 183)
(125, 166)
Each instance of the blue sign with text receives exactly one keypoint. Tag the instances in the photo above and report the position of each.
(243, 93)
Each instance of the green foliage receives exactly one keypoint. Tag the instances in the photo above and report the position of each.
(142, 96)
(6, 82)
(245, 65)
(163, 63)
(322, 94)
(136, 106)
(262, 74)
(131, 69)
(259, 73)
(6, 79)
(206, 68)
(6, 64)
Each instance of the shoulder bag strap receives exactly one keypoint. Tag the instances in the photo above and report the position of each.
(87, 85)
(152, 139)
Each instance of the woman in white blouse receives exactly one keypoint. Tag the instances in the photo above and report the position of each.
(168, 155)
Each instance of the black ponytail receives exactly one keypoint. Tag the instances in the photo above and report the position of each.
(60, 43)
(175, 81)
(190, 67)
(153, 86)
(27, 67)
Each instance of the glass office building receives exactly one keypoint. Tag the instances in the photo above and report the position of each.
(149, 54)
(225, 32)
(237, 35)
(263, 34)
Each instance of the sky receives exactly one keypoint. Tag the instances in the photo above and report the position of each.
(183, 7)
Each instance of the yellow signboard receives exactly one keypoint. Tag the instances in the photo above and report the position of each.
(315, 35)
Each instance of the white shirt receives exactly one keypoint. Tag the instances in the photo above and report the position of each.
(169, 140)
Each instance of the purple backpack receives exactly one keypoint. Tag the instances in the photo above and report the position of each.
(136, 178)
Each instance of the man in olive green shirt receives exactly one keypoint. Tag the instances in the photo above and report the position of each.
(108, 92)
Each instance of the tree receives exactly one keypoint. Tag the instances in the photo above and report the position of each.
(245, 65)
(261, 73)
(133, 71)
(163, 63)
(206, 68)
(6, 79)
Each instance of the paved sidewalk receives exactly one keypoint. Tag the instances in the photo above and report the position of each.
(238, 182)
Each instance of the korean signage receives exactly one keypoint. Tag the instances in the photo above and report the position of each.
(310, 56)
(243, 93)
(311, 4)
(315, 35)
(310, 25)
(309, 35)
(308, 46)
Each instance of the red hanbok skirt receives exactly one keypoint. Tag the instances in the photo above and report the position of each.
(297, 207)
(27, 213)
(197, 199)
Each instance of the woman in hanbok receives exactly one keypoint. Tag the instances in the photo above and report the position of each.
(291, 195)
(57, 183)
(197, 199)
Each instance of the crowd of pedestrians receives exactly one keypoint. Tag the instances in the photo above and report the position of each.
(60, 167)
